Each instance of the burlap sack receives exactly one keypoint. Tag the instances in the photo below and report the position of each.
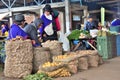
(83, 63)
(55, 47)
(19, 56)
(17, 70)
(41, 55)
(73, 66)
(93, 60)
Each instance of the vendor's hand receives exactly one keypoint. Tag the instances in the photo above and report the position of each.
(33, 42)
(40, 39)
(44, 35)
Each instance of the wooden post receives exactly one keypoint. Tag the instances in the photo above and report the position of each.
(85, 14)
(67, 16)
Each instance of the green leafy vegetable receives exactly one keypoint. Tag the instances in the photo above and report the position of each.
(40, 76)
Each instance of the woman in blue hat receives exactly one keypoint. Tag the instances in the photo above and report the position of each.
(50, 25)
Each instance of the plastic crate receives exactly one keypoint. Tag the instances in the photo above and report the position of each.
(104, 47)
(118, 45)
(113, 45)
(115, 28)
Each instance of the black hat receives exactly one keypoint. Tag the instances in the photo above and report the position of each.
(47, 8)
(19, 17)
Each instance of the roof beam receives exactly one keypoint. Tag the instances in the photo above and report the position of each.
(78, 8)
(108, 2)
(18, 9)
(98, 11)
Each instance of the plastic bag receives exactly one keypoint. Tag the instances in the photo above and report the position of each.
(65, 41)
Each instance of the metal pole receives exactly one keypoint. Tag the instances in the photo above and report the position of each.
(13, 3)
(51, 1)
(36, 2)
(81, 2)
(24, 3)
(5, 3)
(11, 21)
(9, 2)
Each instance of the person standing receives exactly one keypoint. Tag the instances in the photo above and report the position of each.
(5, 28)
(16, 28)
(31, 30)
(89, 24)
(51, 24)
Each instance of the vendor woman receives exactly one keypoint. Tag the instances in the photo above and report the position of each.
(51, 24)
(16, 28)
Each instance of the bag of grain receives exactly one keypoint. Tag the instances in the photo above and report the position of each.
(40, 56)
(19, 56)
(55, 47)
(83, 63)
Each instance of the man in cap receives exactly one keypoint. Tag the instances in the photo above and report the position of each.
(16, 28)
(51, 24)
(89, 24)
(31, 30)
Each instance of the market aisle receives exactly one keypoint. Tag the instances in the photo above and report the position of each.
(110, 70)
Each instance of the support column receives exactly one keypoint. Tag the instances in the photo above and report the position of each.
(85, 11)
(11, 21)
(67, 16)
(103, 16)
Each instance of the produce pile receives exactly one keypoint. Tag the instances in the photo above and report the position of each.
(54, 69)
(19, 59)
(70, 63)
(51, 66)
(41, 76)
(55, 47)
(77, 34)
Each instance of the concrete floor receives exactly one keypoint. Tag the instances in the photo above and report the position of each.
(110, 70)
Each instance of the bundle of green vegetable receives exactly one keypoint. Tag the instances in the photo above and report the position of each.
(76, 33)
(40, 76)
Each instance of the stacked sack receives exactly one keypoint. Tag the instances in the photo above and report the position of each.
(41, 55)
(19, 56)
(55, 47)
(88, 58)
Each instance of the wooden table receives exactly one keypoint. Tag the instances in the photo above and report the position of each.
(80, 42)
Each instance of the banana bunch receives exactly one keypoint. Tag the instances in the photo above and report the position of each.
(62, 72)
(49, 64)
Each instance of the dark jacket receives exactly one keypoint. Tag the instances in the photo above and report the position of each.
(89, 26)
(31, 30)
